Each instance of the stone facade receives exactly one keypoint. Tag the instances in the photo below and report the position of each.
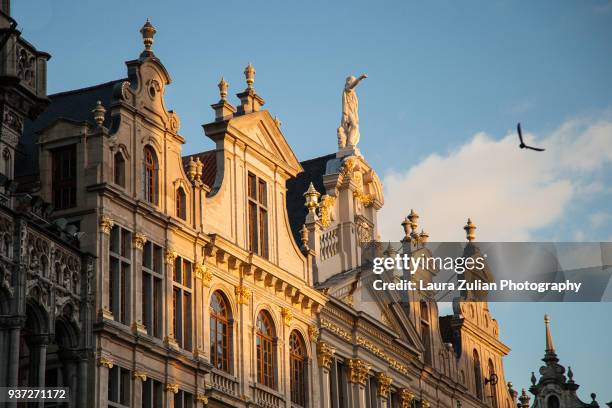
(225, 278)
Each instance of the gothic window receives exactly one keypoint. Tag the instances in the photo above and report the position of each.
(297, 364)
(183, 399)
(151, 182)
(181, 203)
(120, 263)
(119, 169)
(477, 374)
(265, 350)
(64, 177)
(181, 300)
(426, 332)
(152, 289)
(258, 215)
(152, 394)
(494, 403)
(220, 335)
(118, 387)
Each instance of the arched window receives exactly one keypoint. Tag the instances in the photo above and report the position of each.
(119, 170)
(477, 374)
(181, 203)
(220, 340)
(552, 402)
(265, 350)
(297, 363)
(150, 175)
(491, 385)
(426, 332)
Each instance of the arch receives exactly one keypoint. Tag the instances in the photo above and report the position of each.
(477, 374)
(180, 199)
(265, 344)
(119, 168)
(220, 331)
(150, 175)
(552, 401)
(298, 368)
(66, 333)
(492, 390)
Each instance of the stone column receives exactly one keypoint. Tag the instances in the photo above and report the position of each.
(104, 366)
(137, 379)
(202, 286)
(138, 241)
(357, 376)
(83, 383)
(103, 306)
(170, 338)
(4, 351)
(382, 391)
(72, 377)
(245, 341)
(171, 391)
(40, 363)
(13, 366)
(325, 354)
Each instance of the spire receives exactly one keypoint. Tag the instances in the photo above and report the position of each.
(549, 342)
(469, 230)
(148, 32)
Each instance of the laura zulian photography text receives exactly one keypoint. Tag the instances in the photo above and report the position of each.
(479, 285)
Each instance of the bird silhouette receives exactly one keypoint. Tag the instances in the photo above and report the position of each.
(523, 145)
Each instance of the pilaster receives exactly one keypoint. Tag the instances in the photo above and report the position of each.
(138, 241)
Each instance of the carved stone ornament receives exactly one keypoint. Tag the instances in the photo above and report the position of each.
(202, 272)
(173, 388)
(140, 375)
(425, 403)
(406, 398)
(202, 398)
(139, 240)
(325, 209)
(325, 353)
(242, 295)
(287, 316)
(105, 362)
(384, 384)
(170, 256)
(313, 332)
(106, 224)
(347, 167)
(358, 371)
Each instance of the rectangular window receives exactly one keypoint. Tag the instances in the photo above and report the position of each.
(183, 399)
(118, 387)
(152, 289)
(120, 264)
(152, 394)
(182, 303)
(64, 177)
(257, 215)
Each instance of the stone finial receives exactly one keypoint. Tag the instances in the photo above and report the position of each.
(533, 379)
(524, 399)
(312, 198)
(222, 88)
(199, 169)
(423, 237)
(570, 374)
(549, 343)
(249, 73)
(148, 32)
(406, 227)
(191, 168)
(98, 113)
(278, 122)
(413, 217)
(469, 230)
(304, 237)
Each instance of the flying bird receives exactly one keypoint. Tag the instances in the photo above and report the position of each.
(523, 145)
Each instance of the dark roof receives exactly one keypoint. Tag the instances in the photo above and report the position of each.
(209, 160)
(75, 105)
(314, 169)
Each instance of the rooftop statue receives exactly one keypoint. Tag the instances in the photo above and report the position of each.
(348, 132)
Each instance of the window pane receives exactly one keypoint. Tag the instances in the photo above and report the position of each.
(262, 196)
(252, 187)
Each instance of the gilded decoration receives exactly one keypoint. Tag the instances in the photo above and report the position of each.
(287, 316)
(384, 384)
(140, 375)
(425, 403)
(105, 362)
(170, 256)
(173, 388)
(106, 224)
(334, 328)
(325, 207)
(242, 295)
(313, 332)
(202, 398)
(358, 371)
(203, 273)
(406, 398)
(347, 167)
(139, 240)
(365, 199)
(325, 353)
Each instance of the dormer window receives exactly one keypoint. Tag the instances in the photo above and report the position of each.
(150, 175)
(64, 177)
(258, 215)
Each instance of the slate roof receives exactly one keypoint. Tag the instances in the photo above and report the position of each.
(75, 105)
(209, 160)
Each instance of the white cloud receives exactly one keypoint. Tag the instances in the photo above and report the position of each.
(508, 192)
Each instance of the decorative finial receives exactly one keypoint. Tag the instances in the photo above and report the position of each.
(304, 237)
(98, 113)
(249, 73)
(423, 237)
(469, 230)
(593, 396)
(549, 343)
(222, 88)
(570, 374)
(406, 227)
(191, 168)
(312, 198)
(533, 379)
(278, 122)
(524, 399)
(147, 31)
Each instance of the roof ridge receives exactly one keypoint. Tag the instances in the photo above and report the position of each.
(86, 89)
(319, 158)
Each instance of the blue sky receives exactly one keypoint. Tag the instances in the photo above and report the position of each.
(447, 83)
